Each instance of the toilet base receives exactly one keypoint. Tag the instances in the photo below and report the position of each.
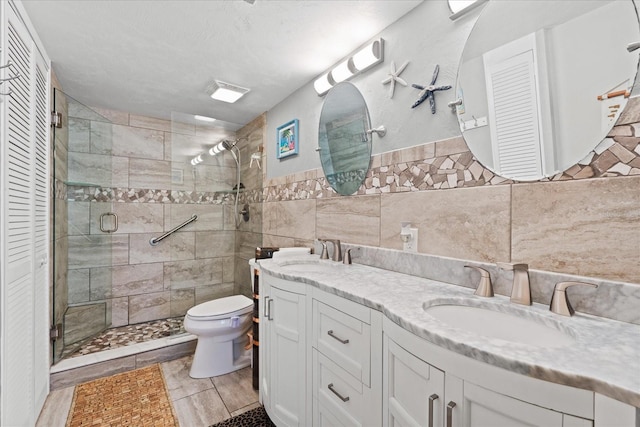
(212, 358)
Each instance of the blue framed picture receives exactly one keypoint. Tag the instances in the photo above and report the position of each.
(288, 137)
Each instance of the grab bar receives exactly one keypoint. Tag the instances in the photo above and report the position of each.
(154, 241)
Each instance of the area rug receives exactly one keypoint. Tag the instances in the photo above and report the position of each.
(256, 417)
(134, 398)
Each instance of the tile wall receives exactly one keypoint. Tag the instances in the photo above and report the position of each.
(584, 221)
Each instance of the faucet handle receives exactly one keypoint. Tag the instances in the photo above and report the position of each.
(484, 289)
(346, 259)
(325, 253)
(560, 301)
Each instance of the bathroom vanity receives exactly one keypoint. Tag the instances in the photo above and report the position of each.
(359, 345)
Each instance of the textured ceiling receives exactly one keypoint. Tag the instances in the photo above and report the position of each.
(158, 57)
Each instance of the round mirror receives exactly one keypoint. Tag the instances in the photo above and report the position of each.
(543, 82)
(343, 142)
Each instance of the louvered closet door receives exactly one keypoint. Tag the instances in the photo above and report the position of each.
(24, 352)
(512, 94)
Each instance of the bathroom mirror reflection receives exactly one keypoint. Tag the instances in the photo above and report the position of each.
(343, 143)
(542, 92)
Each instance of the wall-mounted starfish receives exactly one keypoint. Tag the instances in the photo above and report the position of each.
(394, 76)
(427, 92)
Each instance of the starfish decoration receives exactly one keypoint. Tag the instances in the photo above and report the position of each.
(427, 92)
(394, 76)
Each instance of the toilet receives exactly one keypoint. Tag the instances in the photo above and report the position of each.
(221, 326)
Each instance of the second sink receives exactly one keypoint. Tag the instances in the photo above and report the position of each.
(492, 324)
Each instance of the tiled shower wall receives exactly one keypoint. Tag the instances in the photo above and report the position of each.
(139, 281)
(584, 221)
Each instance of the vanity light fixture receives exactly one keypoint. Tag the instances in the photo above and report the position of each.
(323, 84)
(227, 92)
(370, 55)
(197, 159)
(342, 71)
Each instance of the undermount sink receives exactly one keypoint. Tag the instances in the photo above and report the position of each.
(513, 326)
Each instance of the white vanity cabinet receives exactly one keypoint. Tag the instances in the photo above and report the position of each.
(346, 362)
(424, 382)
(413, 392)
(326, 360)
(283, 355)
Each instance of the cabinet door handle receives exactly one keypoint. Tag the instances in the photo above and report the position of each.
(450, 407)
(333, 390)
(270, 315)
(266, 307)
(431, 399)
(330, 333)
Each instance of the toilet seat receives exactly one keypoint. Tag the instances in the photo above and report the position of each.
(221, 308)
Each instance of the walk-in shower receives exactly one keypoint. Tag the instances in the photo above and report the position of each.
(122, 180)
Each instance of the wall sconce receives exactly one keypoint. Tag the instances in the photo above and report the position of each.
(370, 55)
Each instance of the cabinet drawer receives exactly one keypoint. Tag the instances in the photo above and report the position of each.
(337, 395)
(344, 339)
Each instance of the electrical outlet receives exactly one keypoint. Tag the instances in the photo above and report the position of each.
(411, 245)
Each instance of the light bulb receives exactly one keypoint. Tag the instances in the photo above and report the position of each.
(368, 56)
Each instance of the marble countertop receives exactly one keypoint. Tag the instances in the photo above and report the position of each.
(604, 356)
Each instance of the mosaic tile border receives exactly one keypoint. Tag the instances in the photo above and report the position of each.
(75, 193)
(617, 155)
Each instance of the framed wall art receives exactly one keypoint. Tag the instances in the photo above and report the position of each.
(288, 139)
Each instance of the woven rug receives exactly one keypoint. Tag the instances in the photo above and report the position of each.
(253, 418)
(134, 398)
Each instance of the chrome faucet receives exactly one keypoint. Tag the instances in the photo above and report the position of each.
(560, 301)
(521, 290)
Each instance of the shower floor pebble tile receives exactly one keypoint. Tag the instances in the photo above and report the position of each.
(129, 335)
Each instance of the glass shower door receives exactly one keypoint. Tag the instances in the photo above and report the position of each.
(84, 225)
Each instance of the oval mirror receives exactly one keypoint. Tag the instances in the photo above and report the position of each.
(543, 82)
(343, 142)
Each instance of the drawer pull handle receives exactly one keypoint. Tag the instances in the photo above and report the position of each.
(431, 399)
(330, 333)
(450, 407)
(333, 390)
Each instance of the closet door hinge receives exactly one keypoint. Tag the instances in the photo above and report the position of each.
(56, 119)
(55, 332)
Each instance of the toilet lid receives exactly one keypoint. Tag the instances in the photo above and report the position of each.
(236, 304)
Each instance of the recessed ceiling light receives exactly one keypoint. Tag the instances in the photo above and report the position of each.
(227, 92)
(204, 118)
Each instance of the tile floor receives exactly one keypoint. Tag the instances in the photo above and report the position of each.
(197, 402)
